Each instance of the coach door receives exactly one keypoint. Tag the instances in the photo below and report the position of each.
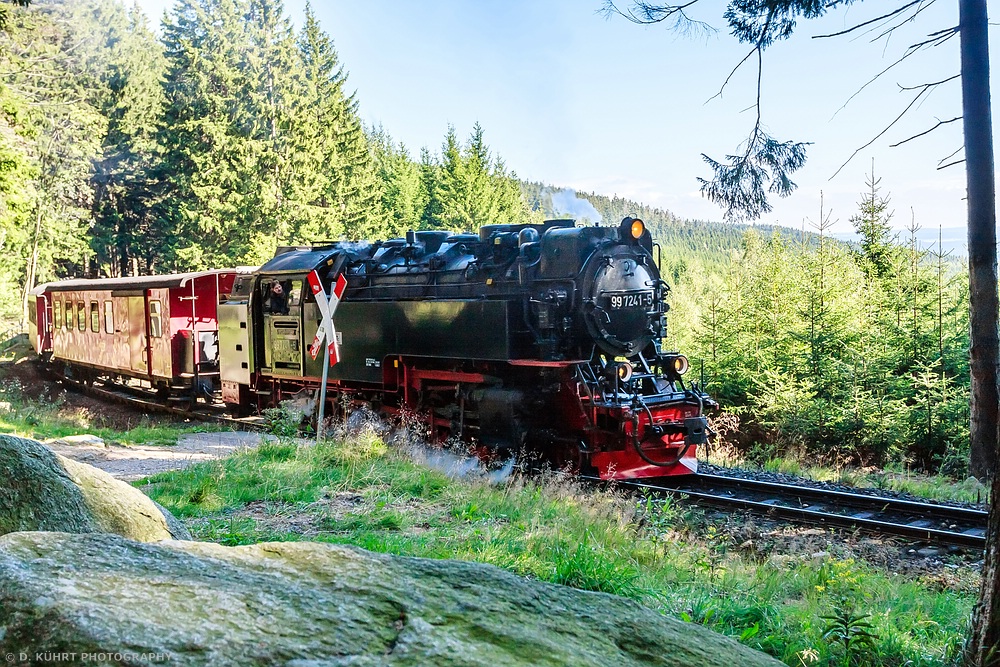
(137, 347)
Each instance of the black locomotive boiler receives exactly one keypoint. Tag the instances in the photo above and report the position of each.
(545, 338)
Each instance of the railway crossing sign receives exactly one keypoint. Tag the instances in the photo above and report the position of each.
(327, 332)
(326, 309)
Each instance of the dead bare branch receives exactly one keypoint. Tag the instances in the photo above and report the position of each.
(890, 30)
(951, 164)
(924, 89)
(953, 154)
(925, 132)
(874, 20)
(870, 82)
(937, 38)
(731, 73)
(932, 84)
(941, 37)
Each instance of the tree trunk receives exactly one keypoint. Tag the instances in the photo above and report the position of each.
(982, 236)
(983, 648)
(984, 640)
(29, 278)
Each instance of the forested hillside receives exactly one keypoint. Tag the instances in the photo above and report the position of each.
(125, 153)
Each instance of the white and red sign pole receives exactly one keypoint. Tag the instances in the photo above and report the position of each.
(332, 353)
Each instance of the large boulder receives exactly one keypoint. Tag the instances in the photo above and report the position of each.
(310, 605)
(40, 490)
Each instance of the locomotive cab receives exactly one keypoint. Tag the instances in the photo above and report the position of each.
(279, 298)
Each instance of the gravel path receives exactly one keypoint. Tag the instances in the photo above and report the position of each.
(132, 463)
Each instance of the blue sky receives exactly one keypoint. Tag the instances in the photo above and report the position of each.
(569, 97)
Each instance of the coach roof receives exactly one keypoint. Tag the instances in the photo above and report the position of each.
(172, 280)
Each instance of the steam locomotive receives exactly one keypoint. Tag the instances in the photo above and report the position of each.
(543, 338)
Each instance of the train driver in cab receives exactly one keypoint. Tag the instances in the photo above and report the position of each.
(277, 301)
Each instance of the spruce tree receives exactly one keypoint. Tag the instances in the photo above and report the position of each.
(227, 193)
(54, 71)
(131, 101)
(404, 199)
(873, 223)
(472, 188)
(335, 157)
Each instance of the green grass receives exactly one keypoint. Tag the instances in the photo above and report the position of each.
(360, 492)
(51, 418)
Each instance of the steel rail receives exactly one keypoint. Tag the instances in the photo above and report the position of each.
(845, 498)
(770, 508)
(812, 516)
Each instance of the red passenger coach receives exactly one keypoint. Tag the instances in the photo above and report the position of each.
(160, 329)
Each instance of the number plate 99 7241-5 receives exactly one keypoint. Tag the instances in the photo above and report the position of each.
(624, 300)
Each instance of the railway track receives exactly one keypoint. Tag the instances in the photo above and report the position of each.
(147, 401)
(919, 521)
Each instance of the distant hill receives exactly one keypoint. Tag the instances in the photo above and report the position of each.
(707, 239)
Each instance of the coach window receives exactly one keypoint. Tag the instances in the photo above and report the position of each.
(69, 314)
(57, 319)
(95, 318)
(81, 315)
(155, 322)
(109, 318)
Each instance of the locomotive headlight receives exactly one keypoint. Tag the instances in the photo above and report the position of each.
(632, 229)
(681, 364)
(624, 371)
(637, 229)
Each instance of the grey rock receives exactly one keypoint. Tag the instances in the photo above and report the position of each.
(311, 604)
(40, 490)
(177, 530)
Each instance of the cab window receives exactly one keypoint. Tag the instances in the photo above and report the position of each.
(95, 318)
(81, 316)
(109, 318)
(155, 319)
(295, 294)
(57, 319)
